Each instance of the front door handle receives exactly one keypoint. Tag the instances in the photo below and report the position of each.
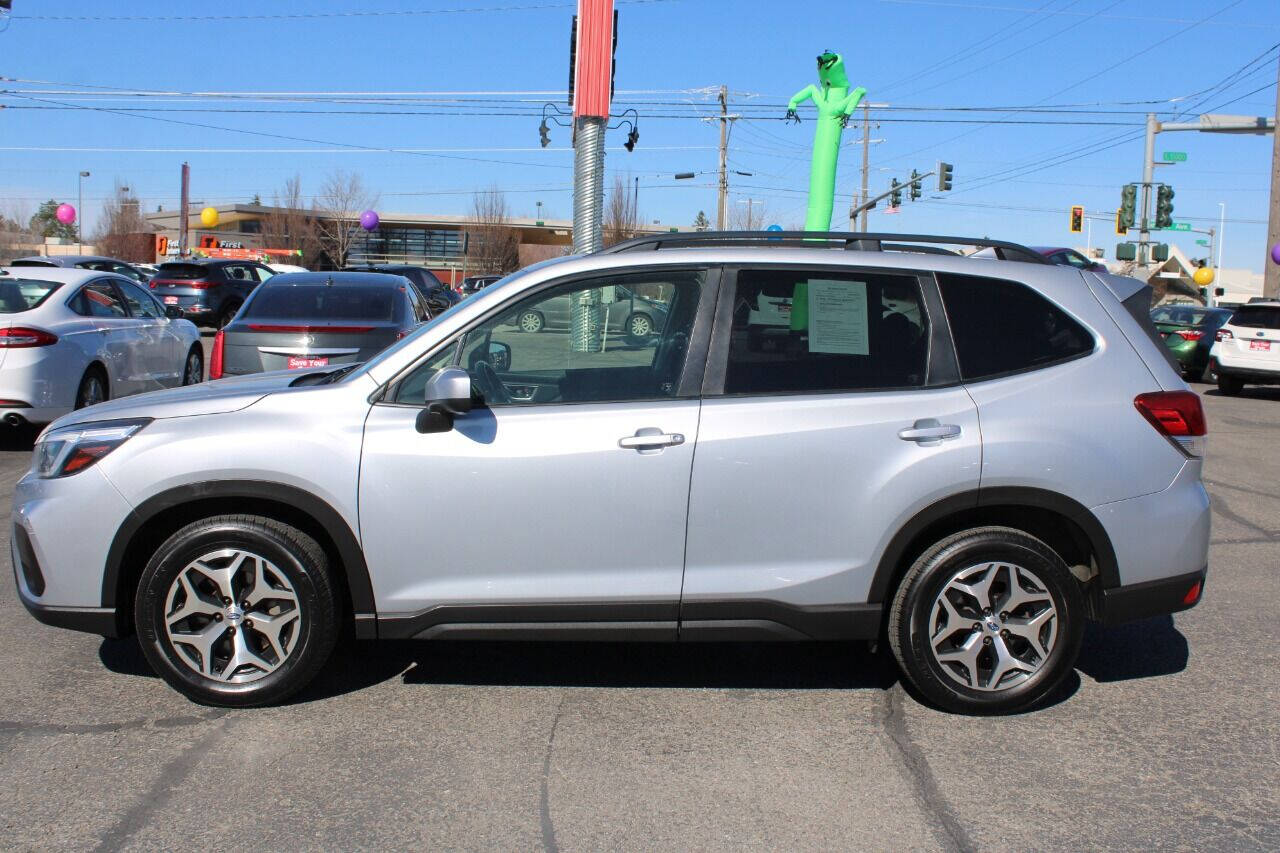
(927, 432)
(650, 439)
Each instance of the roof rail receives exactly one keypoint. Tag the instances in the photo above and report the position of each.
(850, 240)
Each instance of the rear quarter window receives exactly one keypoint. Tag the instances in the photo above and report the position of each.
(1002, 327)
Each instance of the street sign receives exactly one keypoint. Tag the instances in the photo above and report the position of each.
(1180, 226)
(1202, 242)
(1175, 156)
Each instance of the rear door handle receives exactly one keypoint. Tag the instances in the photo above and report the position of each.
(650, 438)
(928, 432)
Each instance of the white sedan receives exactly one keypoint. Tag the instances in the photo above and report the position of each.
(70, 338)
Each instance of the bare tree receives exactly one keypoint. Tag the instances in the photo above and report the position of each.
(750, 215)
(16, 237)
(122, 231)
(289, 224)
(621, 213)
(493, 246)
(338, 206)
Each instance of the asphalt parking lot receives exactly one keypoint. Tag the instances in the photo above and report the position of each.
(1166, 737)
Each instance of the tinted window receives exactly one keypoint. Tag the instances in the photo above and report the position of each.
(1003, 327)
(322, 302)
(814, 331)
(98, 300)
(537, 357)
(1257, 317)
(140, 303)
(182, 271)
(23, 294)
(240, 272)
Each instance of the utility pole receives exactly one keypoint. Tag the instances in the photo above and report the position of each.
(866, 159)
(1271, 270)
(1148, 173)
(186, 211)
(722, 205)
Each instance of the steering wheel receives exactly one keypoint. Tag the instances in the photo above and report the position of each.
(491, 387)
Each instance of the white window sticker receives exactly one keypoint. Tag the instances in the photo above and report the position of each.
(838, 317)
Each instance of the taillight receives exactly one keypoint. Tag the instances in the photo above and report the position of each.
(304, 330)
(1178, 415)
(1190, 334)
(20, 337)
(215, 357)
(1223, 335)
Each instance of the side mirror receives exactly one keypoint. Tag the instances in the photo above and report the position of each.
(449, 390)
(173, 312)
(499, 356)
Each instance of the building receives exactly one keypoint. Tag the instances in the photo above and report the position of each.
(1173, 282)
(440, 242)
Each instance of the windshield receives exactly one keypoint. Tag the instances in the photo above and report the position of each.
(23, 294)
(322, 302)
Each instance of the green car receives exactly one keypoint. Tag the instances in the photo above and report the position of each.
(1188, 330)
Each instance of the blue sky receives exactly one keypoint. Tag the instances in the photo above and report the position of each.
(1012, 180)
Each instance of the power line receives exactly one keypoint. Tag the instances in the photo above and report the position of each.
(296, 16)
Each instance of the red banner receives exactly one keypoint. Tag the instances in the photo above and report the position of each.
(593, 65)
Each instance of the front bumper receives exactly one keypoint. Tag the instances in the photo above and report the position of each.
(91, 620)
(1151, 598)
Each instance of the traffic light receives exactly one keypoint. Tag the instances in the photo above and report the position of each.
(1077, 219)
(544, 132)
(1120, 226)
(944, 176)
(1128, 207)
(1164, 206)
(915, 185)
(1160, 252)
(1126, 251)
(895, 198)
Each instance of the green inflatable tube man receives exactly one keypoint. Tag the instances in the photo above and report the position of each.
(835, 104)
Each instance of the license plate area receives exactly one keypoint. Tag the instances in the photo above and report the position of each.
(303, 361)
(1264, 346)
(171, 300)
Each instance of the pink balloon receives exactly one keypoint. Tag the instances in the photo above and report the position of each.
(1275, 253)
(66, 214)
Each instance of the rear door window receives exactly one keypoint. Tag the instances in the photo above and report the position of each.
(1257, 317)
(99, 299)
(815, 331)
(1002, 327)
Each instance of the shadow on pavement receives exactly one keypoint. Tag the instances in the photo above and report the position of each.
(1250, 392)
(1144, 649)
(124, 656)
(18, 438)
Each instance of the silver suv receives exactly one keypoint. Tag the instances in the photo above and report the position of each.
(967, 458)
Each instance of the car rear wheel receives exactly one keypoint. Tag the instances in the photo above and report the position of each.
(531, 321)
(227, 315)
(93, 388)
(237, 610)
(639, 328)
(987, 621)
(193, 370)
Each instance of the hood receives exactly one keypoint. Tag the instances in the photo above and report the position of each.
(207, 398)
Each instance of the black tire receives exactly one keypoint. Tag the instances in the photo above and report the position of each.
(1229, 385)
(226, 315)
(913, 603)
(531, 322)
(94, 387)
(193, 373)
(294, 555)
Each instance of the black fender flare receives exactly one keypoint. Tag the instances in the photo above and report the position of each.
(344, 539)
(1010, 496)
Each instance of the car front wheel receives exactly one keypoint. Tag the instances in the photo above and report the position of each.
(987, 621)
(237, 610)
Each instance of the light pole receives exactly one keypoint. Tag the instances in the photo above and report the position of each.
(80, 212)
(539, 219)
(1222, 227)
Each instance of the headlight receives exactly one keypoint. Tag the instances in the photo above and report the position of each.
(68, 450)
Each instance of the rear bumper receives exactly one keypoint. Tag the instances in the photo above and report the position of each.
(1152, 598)
(1247, 374)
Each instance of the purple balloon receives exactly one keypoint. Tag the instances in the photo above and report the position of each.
(369, 220)
(1275, 253)
(66, 214)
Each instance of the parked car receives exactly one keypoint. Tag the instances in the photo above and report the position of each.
(281, 268)
(638, 318)
(70, 338)
(1069, 257)
(1188, 331)
(474, 283)
(310, 320)
(87, 262)
(439, 297)
(841, 489)
(1247, 348)
(209, 291)
(148, 270)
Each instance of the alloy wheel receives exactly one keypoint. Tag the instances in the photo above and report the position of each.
(194, 372)
(993, 626)
(641, 326)
(91, 391)
(531, 321)
(232, 616)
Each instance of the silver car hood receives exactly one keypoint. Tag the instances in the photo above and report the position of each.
(207, 398)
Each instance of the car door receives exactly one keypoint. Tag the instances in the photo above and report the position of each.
(126, 368)
(563, 496)
(817, 445)
(163, 350)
